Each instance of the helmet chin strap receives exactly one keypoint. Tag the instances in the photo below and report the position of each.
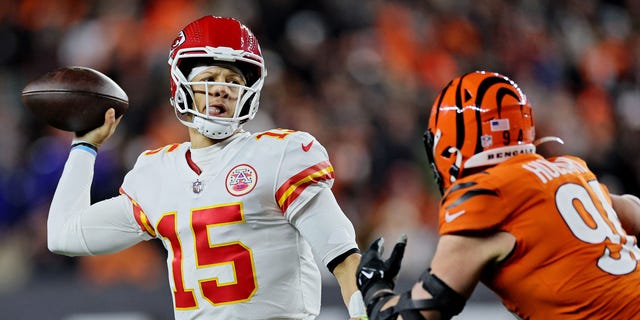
(214, 130)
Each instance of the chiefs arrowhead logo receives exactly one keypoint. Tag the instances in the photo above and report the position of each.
(180, 39)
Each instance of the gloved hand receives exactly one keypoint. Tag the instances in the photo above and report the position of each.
(374, 274)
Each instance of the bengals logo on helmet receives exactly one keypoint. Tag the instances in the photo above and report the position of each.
(479, 119)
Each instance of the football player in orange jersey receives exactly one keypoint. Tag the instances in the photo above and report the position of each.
(542, 233)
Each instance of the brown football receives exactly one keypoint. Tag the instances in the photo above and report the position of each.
(74, 98)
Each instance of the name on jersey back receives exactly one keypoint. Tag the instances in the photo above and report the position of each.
(546, 170)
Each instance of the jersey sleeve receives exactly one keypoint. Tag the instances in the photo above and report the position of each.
(134, 181)
(326, 228)
(304, 196)
(305, 170)
(475, 204)
(75, 227)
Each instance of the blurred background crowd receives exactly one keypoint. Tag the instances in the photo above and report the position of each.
(359, 75)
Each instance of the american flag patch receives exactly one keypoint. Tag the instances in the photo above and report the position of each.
(500, 125)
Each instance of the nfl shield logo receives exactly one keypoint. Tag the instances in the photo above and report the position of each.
(486, 141)
(197, 186)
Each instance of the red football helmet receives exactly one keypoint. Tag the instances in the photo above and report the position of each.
(212, 41)
(479, 119)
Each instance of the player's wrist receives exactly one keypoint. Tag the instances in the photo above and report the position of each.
(357, 309)
(84, 145)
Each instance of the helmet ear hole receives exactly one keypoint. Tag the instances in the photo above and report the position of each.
(183, 98)
(454, 172)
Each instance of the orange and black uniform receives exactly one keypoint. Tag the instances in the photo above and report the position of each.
(572, 259)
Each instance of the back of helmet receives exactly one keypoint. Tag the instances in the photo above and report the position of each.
(479, 119)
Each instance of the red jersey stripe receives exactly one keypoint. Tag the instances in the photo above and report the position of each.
(140, 216)
(292, 188)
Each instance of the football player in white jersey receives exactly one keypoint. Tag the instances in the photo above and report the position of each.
(241, 215)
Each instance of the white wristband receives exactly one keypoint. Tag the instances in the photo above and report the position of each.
(357, 309)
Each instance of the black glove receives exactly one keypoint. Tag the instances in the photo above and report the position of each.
(373, 273)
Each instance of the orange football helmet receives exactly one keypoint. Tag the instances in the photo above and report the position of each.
(479, 119)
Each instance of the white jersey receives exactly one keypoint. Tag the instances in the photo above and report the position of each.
(227, 222)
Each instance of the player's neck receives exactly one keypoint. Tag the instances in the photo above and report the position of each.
(199, 141)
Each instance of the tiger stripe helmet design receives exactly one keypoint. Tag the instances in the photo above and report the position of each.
(479, 119)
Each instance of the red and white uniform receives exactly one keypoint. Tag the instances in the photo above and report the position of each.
(240, 221)
(572, 259)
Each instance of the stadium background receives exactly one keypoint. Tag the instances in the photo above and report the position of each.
(359, 75)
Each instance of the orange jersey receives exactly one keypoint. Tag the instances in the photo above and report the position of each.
(572, 259)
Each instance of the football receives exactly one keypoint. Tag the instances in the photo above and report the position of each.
(74, 98)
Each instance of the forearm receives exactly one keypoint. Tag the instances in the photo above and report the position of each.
(345, 275)
(75, 227)
(71, 197)
(332, 237)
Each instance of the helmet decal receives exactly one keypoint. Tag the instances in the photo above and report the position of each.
(177, 42)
